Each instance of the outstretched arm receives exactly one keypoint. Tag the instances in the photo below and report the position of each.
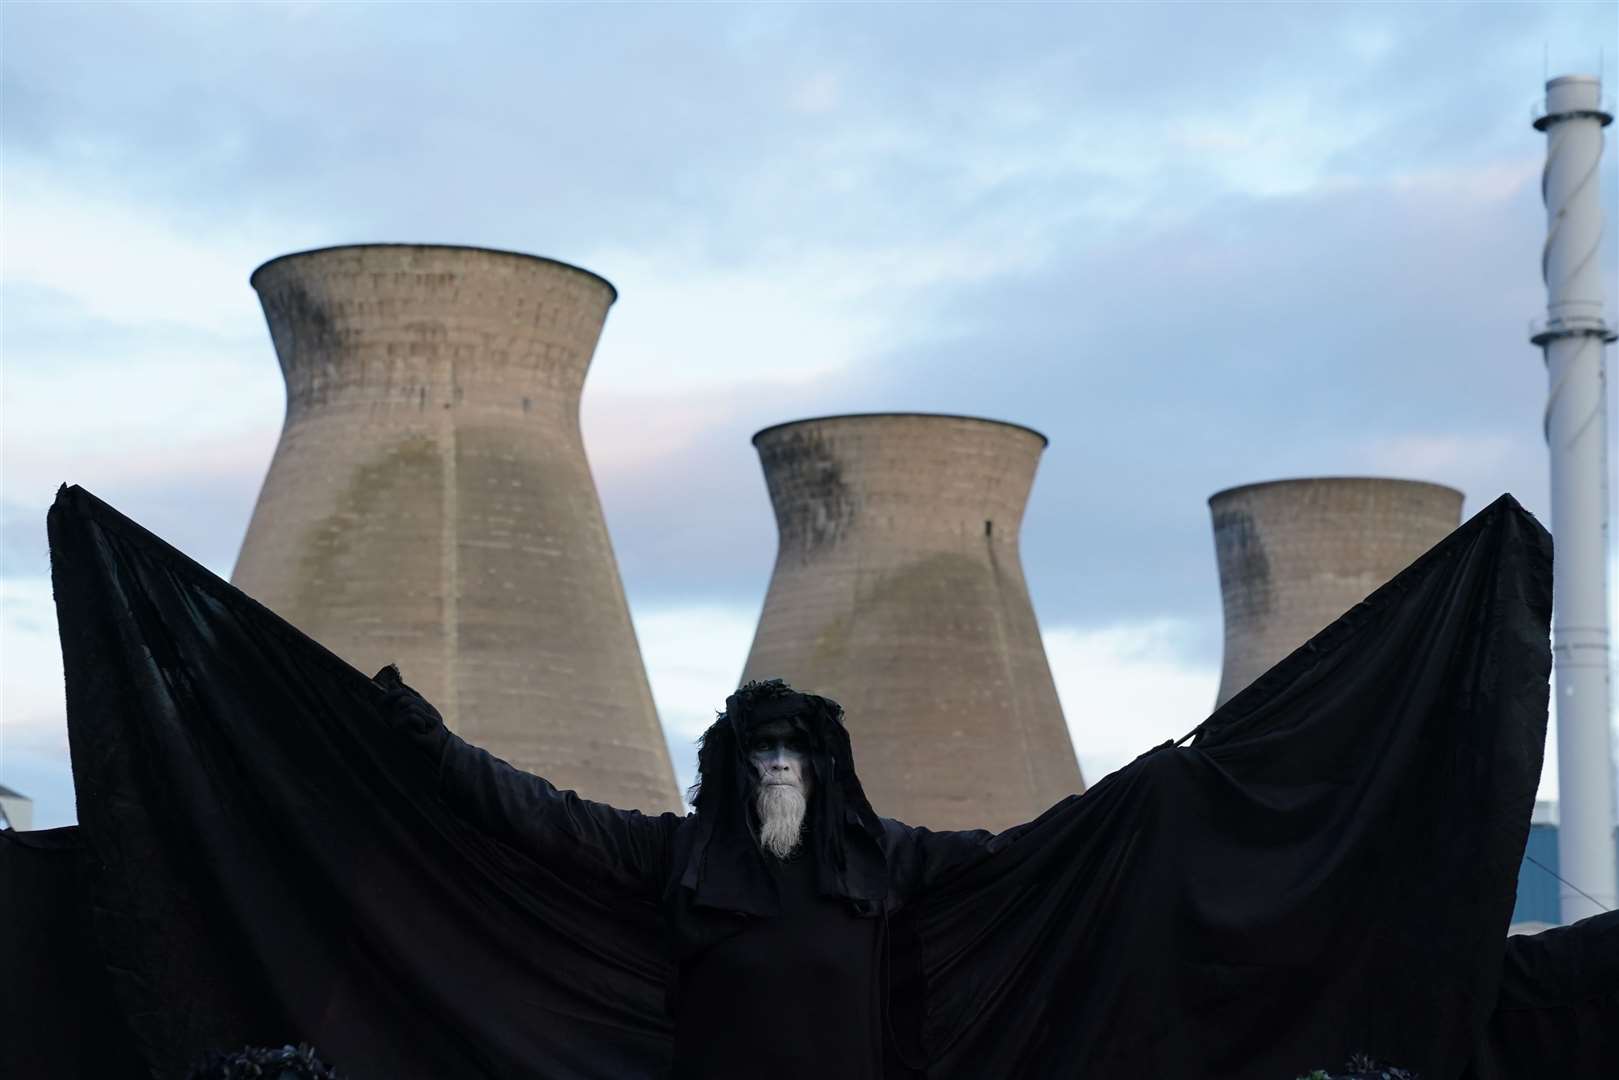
(626, 848)
(924, 858)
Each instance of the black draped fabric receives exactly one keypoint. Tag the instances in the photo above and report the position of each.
(785, 983)
(1558, 1011)
(57, 1017)
(273, 865)
(1327, 869)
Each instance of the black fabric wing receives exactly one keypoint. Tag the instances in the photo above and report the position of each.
(1328, 869)
(270, 865)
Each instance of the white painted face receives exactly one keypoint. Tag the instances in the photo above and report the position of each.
(780, 755)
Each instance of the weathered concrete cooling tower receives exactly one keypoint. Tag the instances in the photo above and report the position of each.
(1296, 554)
(899, 591)
(430, 502)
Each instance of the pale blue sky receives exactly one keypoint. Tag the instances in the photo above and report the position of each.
(1197, 245)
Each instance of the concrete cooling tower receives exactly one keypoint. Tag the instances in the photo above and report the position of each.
(430, 503)
(898, 590)
(1296, 554)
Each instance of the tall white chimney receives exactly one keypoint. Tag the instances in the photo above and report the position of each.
(1577, 434)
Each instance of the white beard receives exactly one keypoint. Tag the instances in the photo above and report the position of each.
(781, 817)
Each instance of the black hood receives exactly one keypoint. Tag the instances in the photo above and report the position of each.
(727, 866)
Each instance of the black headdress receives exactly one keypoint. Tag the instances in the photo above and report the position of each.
(727, 867)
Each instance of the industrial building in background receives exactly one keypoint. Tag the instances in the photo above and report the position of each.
(1572, 337)
(898, 590)
(1539, 903)
(1294, 555)
(430, 503)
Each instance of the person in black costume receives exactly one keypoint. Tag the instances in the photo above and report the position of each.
(774, 894)
(1325, 867)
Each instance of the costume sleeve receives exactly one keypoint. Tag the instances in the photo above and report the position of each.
(625, 848)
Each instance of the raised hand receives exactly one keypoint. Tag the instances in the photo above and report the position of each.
(408, 712)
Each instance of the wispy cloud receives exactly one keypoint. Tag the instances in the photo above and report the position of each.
(1129, 687)
(121, 260)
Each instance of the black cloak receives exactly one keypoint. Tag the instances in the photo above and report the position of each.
(1328, 868)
